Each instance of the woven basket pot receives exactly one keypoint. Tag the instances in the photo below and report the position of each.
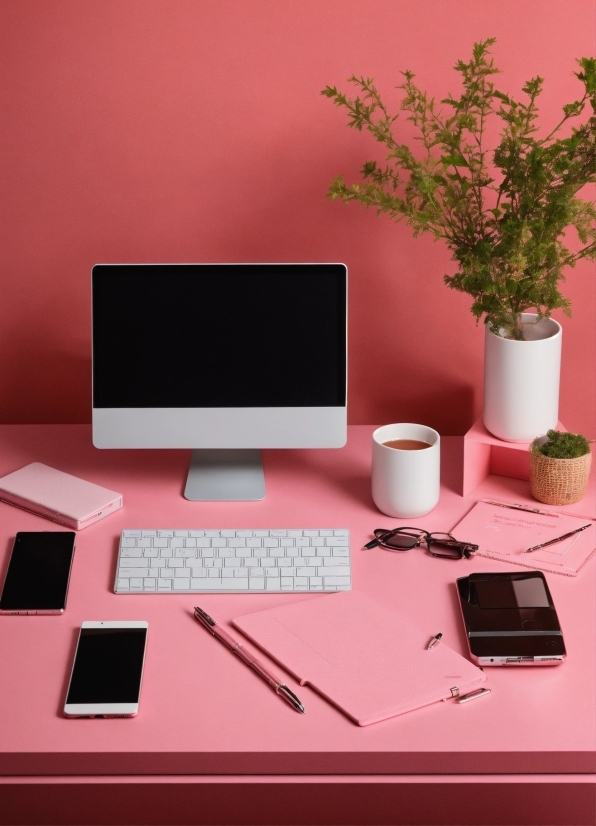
(559, 481)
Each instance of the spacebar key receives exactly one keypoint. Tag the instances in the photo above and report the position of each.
(210, 585)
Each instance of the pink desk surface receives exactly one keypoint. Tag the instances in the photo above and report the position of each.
(203, 712)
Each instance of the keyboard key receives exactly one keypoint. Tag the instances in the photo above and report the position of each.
(149, 533)
(149, 584)
(234, 585)
(273, 585)
(334, 571)
(158, 542)
(278, 533)
(256, 584)
(128, 543)
(143, 543)
(165, 553)
(175, 563)
(150, 553)
(243, 534)
(131, 553)
(185, 553)
(325, 533)
(294, 533)
(177, 542)
(212, 533)
(228, 533)
(232, 563)
(196, 533)
(203, 543)
(191, 542)
(336, 580)
(241, 572)
(341, 552)
(260, 533)
(136, 584)
(181, 584)
(181, 533)
(213, 573)
(122, 584)
(166, 573)
(164, 584)
(129, 532)
(227, 573)
(214, 584)
(272, 572)
(126, 573)
(167, 534)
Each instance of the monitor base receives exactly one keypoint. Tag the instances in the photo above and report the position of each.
(221, 475)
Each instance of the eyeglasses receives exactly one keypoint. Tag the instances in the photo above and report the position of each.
(440, 545)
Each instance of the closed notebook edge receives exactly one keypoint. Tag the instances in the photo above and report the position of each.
(459, 686)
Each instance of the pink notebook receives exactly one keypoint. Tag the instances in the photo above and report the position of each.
(367, 660)
(505, 532)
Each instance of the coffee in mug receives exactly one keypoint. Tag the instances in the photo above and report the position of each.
(406, 444)
(405, 469)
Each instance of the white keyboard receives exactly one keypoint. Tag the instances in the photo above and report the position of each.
(240, 561)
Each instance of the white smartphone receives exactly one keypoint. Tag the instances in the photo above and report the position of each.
(107, 672)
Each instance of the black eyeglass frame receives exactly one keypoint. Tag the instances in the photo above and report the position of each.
(459, 550)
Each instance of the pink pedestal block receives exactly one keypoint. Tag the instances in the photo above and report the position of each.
(486, 457)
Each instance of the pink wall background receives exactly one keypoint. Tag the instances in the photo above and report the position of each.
(193, 130)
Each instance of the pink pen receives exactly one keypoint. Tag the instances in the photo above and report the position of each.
(246, 657)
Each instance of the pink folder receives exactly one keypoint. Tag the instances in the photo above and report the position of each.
(367, 660)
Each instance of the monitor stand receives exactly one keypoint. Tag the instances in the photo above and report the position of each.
(223, 475)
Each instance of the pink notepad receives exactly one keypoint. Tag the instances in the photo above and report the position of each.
(504, 533)
(367, 660)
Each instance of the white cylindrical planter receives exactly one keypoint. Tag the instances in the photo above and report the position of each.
(521, 381)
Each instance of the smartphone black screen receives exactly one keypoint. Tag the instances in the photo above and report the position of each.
(108, 666)
(38, 572)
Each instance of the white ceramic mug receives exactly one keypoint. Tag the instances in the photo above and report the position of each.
(406, 483)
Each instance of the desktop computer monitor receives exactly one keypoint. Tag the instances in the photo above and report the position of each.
(225, 359)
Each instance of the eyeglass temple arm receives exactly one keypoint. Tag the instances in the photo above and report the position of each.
(372, 544)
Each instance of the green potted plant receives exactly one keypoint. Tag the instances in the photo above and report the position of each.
(503, 211)
(559, 467)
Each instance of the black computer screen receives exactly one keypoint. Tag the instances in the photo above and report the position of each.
(219, 335)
